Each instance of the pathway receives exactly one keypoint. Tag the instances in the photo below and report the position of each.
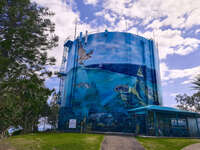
(121, 143)
(192, 147)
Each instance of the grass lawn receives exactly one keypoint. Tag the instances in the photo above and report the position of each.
(52, 141)
(76, 141)
(166, 143)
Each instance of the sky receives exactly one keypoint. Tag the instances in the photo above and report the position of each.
(173, 24)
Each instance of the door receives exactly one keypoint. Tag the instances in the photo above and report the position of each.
(140, 124)
(192, 126)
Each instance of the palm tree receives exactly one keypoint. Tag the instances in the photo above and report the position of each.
(196, 83)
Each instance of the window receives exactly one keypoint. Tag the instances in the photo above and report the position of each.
(181, 122)
(198, 120)
(174, 122)
(178, 122)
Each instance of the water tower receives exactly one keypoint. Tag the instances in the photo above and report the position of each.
(105, 75)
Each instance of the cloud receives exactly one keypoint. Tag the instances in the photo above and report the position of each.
(111, 18)
(91, 2)
(174, 11)
(172, 42)
(167, 19)
(64, 20)
(174, 94)
(197, 31)
(193, 17)
(171, 74)
(161, 20)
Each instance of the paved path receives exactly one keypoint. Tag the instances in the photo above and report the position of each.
(192, 147)
(121, 143)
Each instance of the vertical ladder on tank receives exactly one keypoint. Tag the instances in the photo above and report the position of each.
(62, 74)
(75, 67)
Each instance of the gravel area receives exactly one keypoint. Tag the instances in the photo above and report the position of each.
(121, 143)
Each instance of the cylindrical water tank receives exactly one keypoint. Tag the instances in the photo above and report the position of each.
(109, 73)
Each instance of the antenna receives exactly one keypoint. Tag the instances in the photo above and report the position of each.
(126, 25)
(157, 45)
(154, 36)
(86, 37)
(76, 22)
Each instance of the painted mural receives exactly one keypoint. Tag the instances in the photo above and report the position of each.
(106, 76)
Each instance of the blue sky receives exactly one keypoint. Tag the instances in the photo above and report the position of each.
(174, 25)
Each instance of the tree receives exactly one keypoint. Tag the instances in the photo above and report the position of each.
(53, 113)
(26, 33)
(190, 103)
(196, 83)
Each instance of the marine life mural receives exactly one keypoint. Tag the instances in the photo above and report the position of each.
(103, 82)
(82, 85)
(139, 73)
(83, 55)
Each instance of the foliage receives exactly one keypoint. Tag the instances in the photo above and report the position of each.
(26, 33)
(53, 113)
(55, 141)
(190, 103)
(196, 83)
(18, 132)
(27, 101)
(166, 143)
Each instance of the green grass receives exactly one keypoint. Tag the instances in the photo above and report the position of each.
(76, 141)
(166, 143)
(53, 141)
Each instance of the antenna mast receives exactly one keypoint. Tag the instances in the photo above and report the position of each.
(76, 22)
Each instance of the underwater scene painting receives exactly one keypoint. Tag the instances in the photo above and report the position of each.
(110, 74)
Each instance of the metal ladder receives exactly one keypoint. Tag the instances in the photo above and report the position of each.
(62, 74)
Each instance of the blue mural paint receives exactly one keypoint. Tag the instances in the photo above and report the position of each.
(110, 74)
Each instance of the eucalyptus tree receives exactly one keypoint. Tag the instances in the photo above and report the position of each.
(191, 103)
(26, 35)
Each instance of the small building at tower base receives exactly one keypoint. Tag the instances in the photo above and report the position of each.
(155, 120)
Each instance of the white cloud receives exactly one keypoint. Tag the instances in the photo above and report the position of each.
(194, 17)
(171, 42)
(171, 74)
(163, 71)
(64, 20)
(179, 14)
(156, 24)
(187, 81)
(197, 31)
(174, 94)
(109, 17)
(175, 11)
(92, 2)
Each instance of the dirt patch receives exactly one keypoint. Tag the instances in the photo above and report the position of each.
(6, 146)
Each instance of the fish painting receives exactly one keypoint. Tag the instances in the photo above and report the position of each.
(149, 93)
(123, 90)
(83, 85)
(83, 55)
(139, 73)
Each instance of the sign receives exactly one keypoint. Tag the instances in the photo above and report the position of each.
(72, 123)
